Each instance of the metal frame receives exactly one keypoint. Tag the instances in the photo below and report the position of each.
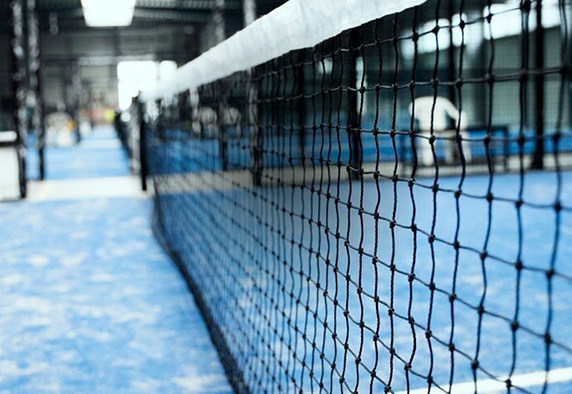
(19, 90)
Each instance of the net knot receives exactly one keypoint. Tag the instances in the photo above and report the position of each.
(548, 338)
(519, 265)
(550, 273)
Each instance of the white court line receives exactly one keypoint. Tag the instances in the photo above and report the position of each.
(495, 386)
(86, 188)
(44, 191)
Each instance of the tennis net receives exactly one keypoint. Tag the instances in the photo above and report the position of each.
(374, 197)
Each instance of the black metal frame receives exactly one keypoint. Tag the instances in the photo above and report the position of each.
(25, 76)
(18, 78)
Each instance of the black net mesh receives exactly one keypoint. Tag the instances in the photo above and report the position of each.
(388, 211)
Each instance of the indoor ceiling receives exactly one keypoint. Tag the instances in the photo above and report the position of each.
(68, 15)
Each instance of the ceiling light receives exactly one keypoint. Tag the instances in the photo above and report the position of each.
(108, 13)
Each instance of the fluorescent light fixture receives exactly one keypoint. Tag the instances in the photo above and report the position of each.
(95, 17)
(108, 13)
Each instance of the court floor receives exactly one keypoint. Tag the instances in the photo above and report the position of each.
(532, 232)
(89, 303)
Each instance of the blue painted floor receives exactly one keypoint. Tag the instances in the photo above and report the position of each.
(534, 234)
(100, 156)
(89, 303)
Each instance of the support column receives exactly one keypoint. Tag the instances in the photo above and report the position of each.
(19, 86)
(144, 169)
(76, 94)
(256, 137)
(480, 59)
(451, 68)
(354, 123)
(301, 82)
(219, 22)
(220, 35)
(249, 11)
(35, 89)
(539, 91)
(222, 109)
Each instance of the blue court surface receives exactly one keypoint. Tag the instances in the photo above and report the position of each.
(89, 302)
(101, 156)
(527, 234)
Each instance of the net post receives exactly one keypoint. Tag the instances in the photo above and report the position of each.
(143, 165)
(353, 115)
(538, 157)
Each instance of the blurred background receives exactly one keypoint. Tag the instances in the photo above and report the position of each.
(70, 65)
